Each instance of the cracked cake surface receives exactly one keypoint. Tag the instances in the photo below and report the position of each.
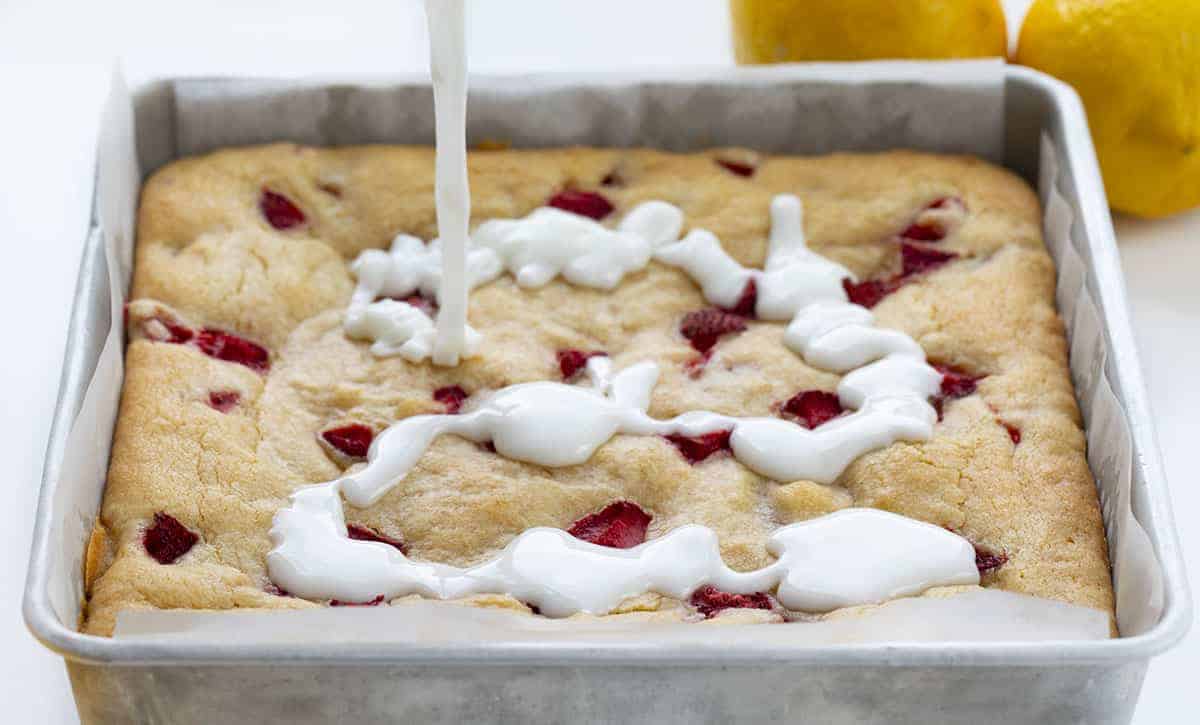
(242, 386)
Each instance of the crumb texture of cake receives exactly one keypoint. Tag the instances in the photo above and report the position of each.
(242, 385)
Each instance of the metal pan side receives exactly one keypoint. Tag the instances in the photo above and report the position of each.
(1035, 103)
(82, 350)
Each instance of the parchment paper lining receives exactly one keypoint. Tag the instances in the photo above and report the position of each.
(996, 616)
(1137, 576)
(882, 105)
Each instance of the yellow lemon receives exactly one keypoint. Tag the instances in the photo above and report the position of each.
(1136, 64)
(776, 31)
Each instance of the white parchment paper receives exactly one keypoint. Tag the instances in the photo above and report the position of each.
(955, 108)
(821, 108)
(995, 616)
(1137, 576)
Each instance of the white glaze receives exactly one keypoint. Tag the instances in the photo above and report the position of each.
(412, 267)
(448, 66)
(861, 556)
(398, 328)
(551, 242)
(555, 424)
(847, 558)
(793, 276)
(550, 424)
(547, 243)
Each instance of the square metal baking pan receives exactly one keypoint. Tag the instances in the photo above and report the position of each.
(160, 681)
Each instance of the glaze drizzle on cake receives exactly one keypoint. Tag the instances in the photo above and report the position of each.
(847, 558)
(555, 424)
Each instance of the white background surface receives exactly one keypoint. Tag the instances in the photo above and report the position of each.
(54, 66)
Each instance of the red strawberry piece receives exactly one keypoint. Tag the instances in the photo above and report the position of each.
(422, 303)
(703, 327)
(813, 407)
(214, 343)
(1014, 433)
(585, 203)
(179, 333)
(697, 448)
(231, 348)
(161, 329)
(354, 440)
(166, 540)
(373, 603)
(918, 260)
(932, 229)
(279, 210)
(708, 600)
(957, 383)
(621, 525)
(745, 306)
(224, 400)
(741, 168)
(272, 588)
(571, 361)
(923, 232)
(869, 292)
(362, 533)
(914, 260)
(987, 561)
(451, 396)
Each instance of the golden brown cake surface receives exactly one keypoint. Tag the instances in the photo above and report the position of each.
(1005, 467)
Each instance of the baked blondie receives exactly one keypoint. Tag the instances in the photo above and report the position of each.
(243, 384)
